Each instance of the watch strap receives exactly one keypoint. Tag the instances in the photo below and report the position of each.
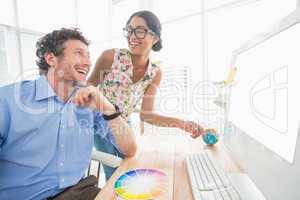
(114, 115)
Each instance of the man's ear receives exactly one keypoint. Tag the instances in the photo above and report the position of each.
(51, 59)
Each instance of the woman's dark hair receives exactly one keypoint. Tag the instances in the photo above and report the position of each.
(54, 43)
(153, 23)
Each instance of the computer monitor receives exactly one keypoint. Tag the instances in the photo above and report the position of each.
(262, 131)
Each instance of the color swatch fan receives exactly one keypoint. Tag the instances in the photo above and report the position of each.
(142, 184)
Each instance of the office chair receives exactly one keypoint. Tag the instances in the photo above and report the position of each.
(106, 159)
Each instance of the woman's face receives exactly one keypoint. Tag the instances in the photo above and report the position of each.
(139, 37)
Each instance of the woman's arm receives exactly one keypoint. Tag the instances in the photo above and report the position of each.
(103, 63)
(147, 113)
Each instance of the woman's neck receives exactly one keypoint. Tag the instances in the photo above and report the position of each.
(140, 62)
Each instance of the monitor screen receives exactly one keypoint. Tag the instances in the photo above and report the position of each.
(264, 101)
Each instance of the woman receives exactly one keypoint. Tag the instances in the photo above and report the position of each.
(126, 76)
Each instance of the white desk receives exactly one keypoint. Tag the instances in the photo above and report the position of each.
(167, 153)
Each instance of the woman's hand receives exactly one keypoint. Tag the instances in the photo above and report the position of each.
(193, 128)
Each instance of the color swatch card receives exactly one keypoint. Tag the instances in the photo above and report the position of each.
(141, 184)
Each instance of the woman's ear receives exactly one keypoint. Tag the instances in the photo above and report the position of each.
(156, 39)
(51, 59)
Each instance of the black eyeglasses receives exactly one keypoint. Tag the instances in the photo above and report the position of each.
(140, 33)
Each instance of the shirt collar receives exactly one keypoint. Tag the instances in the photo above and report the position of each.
(43, 89)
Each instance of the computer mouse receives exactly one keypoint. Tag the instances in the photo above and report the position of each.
(210, 136)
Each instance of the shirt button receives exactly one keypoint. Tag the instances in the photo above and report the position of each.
(61, 164)
(62, 146)
(62, 180)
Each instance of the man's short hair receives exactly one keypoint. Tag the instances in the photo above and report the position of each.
(54, 43)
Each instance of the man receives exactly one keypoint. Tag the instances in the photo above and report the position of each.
(47, 125)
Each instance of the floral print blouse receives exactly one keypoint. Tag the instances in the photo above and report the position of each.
(118, 86)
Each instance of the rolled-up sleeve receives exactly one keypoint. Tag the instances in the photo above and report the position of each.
(102, 128)
(4, 122)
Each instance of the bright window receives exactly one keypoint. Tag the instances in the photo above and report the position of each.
(229, 28)
(28, 42)
(7, 12)
(3, 57)
(173, 9)
(120, 14)
(46, 16)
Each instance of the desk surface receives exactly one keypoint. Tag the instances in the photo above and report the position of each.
(167, 152)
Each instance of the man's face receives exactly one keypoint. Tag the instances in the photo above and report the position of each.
(75, 63)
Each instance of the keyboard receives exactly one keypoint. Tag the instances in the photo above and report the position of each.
(208, 180)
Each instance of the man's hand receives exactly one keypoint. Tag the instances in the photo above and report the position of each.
(124, 136)
(91, 97)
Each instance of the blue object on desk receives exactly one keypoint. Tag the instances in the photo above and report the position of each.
(210, 137)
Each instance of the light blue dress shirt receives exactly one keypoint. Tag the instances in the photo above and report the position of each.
(45, 144)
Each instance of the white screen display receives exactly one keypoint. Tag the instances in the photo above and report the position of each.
(265, 99)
